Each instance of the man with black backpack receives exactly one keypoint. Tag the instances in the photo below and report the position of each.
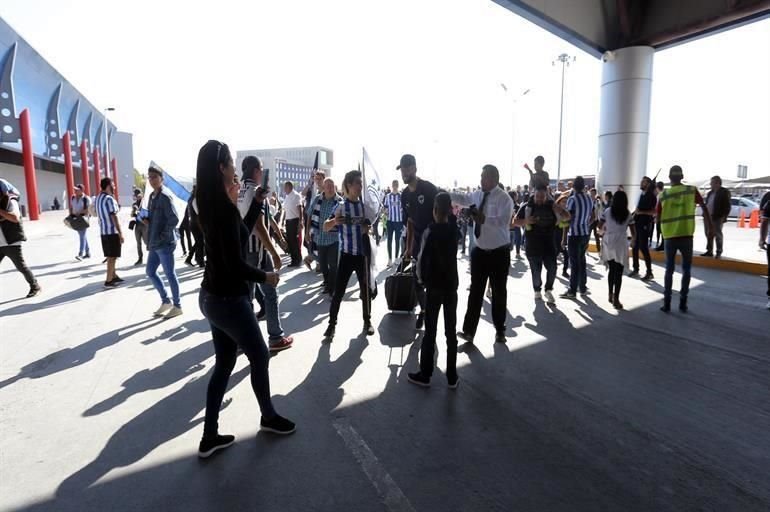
(12, 236)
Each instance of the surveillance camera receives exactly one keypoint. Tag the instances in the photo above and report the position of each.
(608, 56)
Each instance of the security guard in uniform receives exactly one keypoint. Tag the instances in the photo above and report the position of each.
(676, 211)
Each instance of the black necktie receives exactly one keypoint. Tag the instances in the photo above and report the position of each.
(477, 227)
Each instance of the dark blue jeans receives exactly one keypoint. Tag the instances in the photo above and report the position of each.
(576, 248)
(233, 326)
(163, 256)
(683, 245)
(394, 230)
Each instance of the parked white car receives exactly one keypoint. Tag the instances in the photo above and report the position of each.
(739, 204)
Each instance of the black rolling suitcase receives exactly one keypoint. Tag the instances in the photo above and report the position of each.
(401, 290)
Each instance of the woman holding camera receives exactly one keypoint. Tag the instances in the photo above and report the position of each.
(348, 217)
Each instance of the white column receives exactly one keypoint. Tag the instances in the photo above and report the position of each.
(624, 124)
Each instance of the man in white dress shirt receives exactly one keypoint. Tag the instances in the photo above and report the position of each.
(292, 205)
(491, 210)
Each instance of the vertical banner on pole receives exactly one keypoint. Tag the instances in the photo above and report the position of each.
(29, 165)
(84, 168)
(97, 172)
(115, 178)
(68, 171)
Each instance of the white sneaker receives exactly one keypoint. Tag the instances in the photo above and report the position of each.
(174, 311)
(390, 263)
(162, 310)
(538, 296)
(549, 297)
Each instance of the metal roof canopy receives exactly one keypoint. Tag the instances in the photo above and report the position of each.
(597, 26)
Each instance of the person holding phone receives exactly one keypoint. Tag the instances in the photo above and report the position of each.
(224, 296)
(540, 217)
(253, 206)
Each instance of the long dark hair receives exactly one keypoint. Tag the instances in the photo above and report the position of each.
(210, 193)
(619, 207)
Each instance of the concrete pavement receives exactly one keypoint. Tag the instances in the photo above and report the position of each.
(584, 408)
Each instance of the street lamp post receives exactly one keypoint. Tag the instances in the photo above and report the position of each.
(513, 126)
(565, 60)
(107, 139)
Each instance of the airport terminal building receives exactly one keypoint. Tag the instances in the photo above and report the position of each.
(33, 92)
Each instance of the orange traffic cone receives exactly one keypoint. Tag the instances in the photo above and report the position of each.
(742, 220)
(754, 219)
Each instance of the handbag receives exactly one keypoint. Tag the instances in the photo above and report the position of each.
(131, 225)
(76, 222)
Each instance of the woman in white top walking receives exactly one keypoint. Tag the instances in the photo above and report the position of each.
(614, 224)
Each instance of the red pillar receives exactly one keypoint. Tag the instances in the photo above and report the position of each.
(84, 168)
(29, 165)
(115, 178)
(68, 172)
(97, 177)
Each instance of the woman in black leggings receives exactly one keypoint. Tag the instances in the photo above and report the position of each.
(224, 296)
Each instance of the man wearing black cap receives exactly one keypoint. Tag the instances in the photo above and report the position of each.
(261, 251)
(417, 200)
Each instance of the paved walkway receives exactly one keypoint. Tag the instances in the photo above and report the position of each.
(584, 408)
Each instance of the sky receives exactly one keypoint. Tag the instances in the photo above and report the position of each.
(396, 77)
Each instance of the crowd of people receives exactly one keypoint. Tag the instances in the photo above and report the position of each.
(235, 227)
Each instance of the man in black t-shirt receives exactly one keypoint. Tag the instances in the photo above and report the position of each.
(417, 201)
(644, 219)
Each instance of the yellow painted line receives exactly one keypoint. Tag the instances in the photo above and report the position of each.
(730, 265)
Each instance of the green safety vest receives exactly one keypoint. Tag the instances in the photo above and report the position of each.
(677, 218)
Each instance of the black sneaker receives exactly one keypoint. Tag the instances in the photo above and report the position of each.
(207, 447)
(86, 256)
(707, 255)
(419, 379)
(468, 338)
(452, 381)
(648, 277)
(666, 307)
(633, 273)
(138, 262)
(116, 279)
(420, 320)
(277, 425)
(34, 290)
(329, 333)
(369, 329)
(110, 284)
(500, 337)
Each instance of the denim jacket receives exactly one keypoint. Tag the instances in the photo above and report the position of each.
(163, 221)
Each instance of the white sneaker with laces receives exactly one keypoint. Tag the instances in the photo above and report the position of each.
(162, 310)
(549, 297)
(174, 311)
(538, 296)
